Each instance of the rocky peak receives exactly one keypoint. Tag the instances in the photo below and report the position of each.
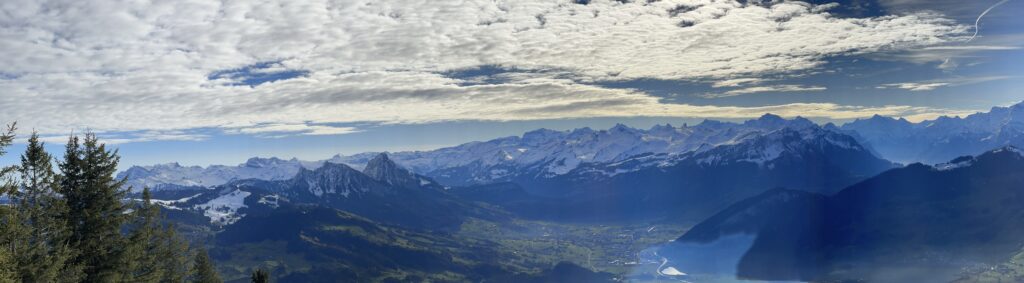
(383, 169)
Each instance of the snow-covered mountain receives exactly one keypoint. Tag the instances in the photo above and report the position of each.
(690, 186)
(391, 195)
(547, 153)
(686, 171)
(163, 176)
(942, 139)
(541, 153)
(767, 150)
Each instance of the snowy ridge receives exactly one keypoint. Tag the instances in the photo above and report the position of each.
(540, 153)
(547, 153)
(171, 204)
(759, 149)
(161, 175)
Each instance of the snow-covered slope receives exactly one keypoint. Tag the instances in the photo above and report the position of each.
(224, 209)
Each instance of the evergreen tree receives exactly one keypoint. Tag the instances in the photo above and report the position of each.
(43, 242)
(8, 272)
(95, 212)
(10, 228)
(174, 256)
(140, 259)
(260, 276)
(205, 271)
(71, 227)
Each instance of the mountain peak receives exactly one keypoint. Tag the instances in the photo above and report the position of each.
(660, 128)
(770, 117)
(382, 157)
(383, 169)
(258, 162)
(772, 121)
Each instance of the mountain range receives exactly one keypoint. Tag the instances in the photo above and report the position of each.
(944, 138)
(668, 186)
(690, 186)
(541, 153)
(547, 153)
(383, 192)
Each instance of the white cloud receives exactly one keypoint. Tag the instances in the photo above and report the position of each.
(972, 47)
(767, 88)
(736, 82)
(123, 138)
(914, 86)
(144, 66)
(275, 130)
(951, 55)
(935, 84)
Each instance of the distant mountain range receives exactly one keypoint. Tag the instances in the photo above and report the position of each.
(665, 173)
(537, 154)
(942, 139)
(917, 223)
(543, 153)
(690, 186)
(176, 176)
(382, 192)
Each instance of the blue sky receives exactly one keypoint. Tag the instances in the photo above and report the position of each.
(216, 82)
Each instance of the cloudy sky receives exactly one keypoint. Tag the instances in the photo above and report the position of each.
(204, 82)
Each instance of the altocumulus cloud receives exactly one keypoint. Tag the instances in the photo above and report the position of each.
(289, 66)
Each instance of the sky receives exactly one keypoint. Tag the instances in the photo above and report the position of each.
(215, 82)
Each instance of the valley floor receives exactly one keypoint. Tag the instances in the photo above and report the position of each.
(522, 246)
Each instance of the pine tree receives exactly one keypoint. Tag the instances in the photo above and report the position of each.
(260, 276)
(205, 271)
(10, 229)
(96, 212)
(44, 248)
(174, 256)
(140, 259)
(8, 272)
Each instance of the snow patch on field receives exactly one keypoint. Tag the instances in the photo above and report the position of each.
(672, 271)
(223, 210)
(270, 200)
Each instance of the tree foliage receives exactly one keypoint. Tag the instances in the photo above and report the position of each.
(77, 225)
(205, 271)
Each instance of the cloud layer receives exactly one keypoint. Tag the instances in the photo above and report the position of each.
(153, 65)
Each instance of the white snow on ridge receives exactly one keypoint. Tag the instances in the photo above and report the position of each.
(176, 174)
(223, 210)
(550, 153)
(540, 152)
(169, 204)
